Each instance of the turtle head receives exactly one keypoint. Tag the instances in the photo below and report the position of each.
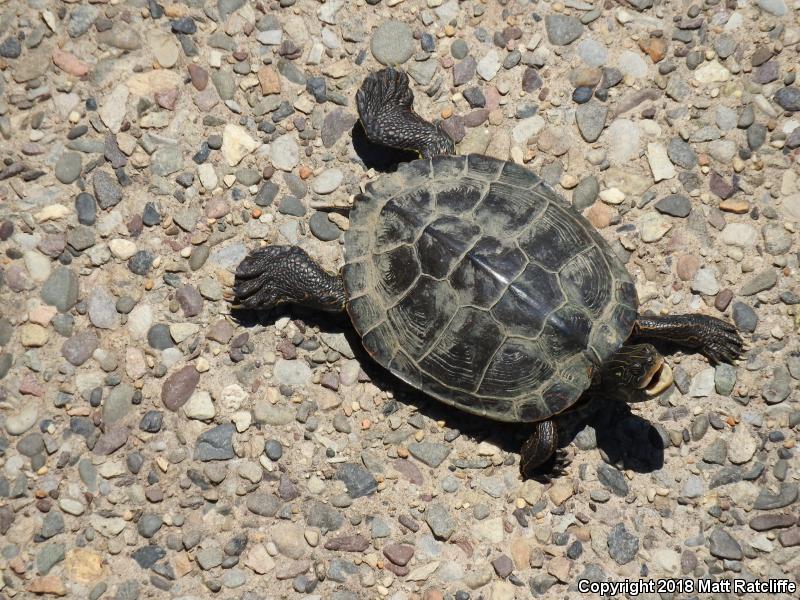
(637, 367)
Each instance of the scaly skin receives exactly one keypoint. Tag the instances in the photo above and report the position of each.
(715, 339)
(538, 450)
(385, 107)
(286, 274)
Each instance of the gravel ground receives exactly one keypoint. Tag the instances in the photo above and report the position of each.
(151, 446)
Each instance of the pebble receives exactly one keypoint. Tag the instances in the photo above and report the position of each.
(741, 447)
(68, 167)
(675, 205)
(653, 227)
(440, 520)
(724, 379)
(464, 71)
(722, 545)
(681, 154)
(107, 191)
(591, 118)
(788, 98)
(693, 487)
(265, 505)
(739, 234)
(200, 406)
(764, 280)
(10, 48)
(430, 453)
(562, 30)
(722, 150)
(86, 208)
(215, 444)
(236, 144)
(392, 43)
(774, 7)
(327, 181)
(284, 153)
(592, 52)
(61, 289)
(291, 372)
(585, 193)
(358, 480)
(459, 49)
(623, 546)
(702, 384)
(632, 64)
(705, 282)
(778, 387)
(626, 135)
(488, 66)
(323, 228)
(178, 387)
(273, 449)
(786, 495)
(102, 308)
(612, 479)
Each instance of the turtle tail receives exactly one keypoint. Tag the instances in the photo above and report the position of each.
(385, 107)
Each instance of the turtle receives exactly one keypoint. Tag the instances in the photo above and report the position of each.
(472, 280)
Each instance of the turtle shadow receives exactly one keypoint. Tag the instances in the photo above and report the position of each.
(375, 156)
(626, 440)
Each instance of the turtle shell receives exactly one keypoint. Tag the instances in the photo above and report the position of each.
(469, 278)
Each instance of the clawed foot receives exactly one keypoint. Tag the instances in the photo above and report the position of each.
(553, 469)
(258, 278)
(540, 458)
(285, 274)
(720, 341)
(717, 340)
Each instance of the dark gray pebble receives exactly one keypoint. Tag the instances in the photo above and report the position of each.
(141, 262)
(675, 205)
(86, 208)
(158, 337)
(323, 228)
(273, 449)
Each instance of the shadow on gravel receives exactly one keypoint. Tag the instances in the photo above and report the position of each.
(375, 156)
(626, 440)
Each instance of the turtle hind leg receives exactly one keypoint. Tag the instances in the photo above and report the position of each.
(285, 274)
(716, 339)
(540, 458)
(385, 108)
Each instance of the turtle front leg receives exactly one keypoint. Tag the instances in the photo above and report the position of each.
(539, 450)
(285, 274)
(385, 107)
(717, 340)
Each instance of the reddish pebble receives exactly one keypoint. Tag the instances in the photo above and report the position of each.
(687, 266)
(199, 77)
(69, 63)
(723, 299)
(167, 98)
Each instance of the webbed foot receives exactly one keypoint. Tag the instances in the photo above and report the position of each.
(282, 274)
(717, 340)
